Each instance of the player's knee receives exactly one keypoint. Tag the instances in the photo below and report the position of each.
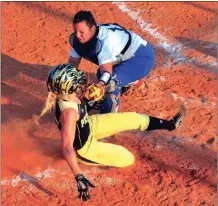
(145, 122)
(131, 159)
(128, 160)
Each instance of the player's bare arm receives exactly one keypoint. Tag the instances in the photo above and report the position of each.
(68, 119)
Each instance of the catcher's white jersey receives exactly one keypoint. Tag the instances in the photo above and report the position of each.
(113, 39)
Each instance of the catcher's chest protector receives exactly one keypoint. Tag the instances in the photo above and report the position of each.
(87, 50)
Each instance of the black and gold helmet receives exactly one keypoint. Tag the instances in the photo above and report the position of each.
(65, 79)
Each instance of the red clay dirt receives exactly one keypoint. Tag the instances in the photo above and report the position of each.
(171, 168)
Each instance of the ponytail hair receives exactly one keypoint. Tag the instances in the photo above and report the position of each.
(49, 103)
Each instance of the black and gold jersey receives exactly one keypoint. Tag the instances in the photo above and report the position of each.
(82, 125)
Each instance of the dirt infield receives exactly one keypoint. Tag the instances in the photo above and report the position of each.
(171, 168)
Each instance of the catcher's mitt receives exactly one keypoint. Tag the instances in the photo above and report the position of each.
(95, 92)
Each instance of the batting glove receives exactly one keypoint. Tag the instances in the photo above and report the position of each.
(83, 187)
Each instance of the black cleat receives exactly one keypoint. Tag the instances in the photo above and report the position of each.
(125, 90)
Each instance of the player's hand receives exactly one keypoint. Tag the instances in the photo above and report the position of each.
(95, 92)
(83, 185)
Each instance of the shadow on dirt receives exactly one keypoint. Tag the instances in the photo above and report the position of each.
(197, 5)
(23, 87)
(12, 67)
(43, 8)
(171, 62)
(205, 47)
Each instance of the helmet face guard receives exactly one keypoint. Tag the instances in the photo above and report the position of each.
(65, 79)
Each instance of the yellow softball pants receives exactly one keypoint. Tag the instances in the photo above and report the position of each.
(105, 125)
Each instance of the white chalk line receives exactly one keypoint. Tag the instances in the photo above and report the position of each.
(174, 50)
(24, 177)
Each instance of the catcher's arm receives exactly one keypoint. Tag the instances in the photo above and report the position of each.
(107, 69)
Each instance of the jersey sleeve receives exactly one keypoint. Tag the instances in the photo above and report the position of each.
(74, 54)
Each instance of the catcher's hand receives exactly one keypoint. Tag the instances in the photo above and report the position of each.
(95, 92)
(83, 185)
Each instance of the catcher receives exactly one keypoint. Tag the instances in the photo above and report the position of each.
(124, 57)
(80, 132)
